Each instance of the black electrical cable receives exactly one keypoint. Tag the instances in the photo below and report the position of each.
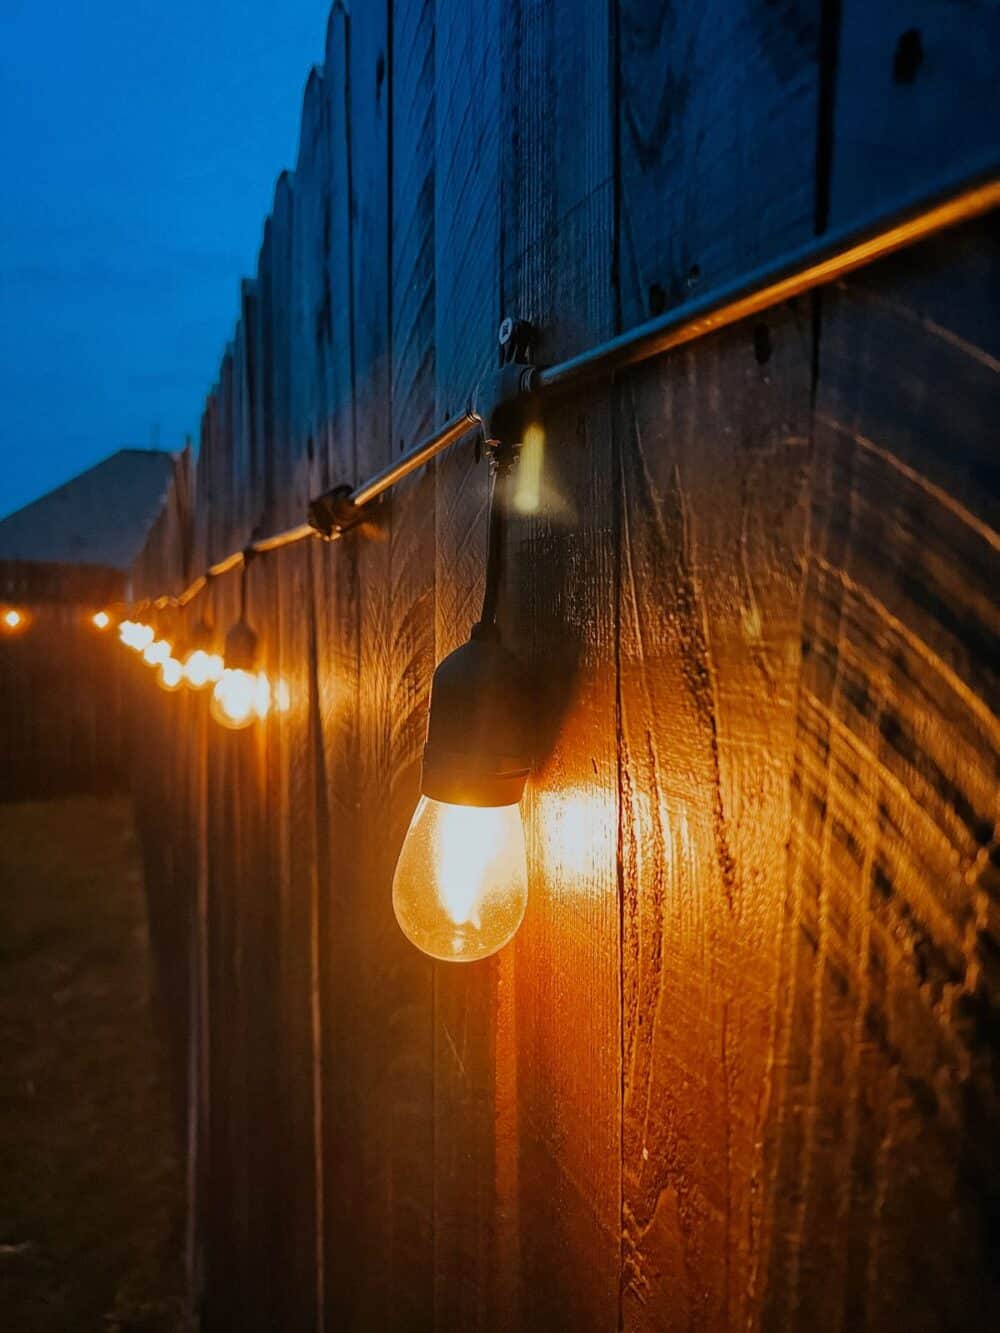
(502, 461)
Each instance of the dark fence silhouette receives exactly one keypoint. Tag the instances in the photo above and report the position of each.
(738, 1067)
(61, 722)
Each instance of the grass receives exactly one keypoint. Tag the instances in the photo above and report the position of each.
(91, 1182)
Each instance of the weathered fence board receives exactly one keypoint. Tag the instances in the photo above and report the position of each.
(563, 1066)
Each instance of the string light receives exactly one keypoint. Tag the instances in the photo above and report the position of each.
(202, 668)
(157, 652)
(13, 620)
(461, 883)
(136, 635)
(238, 698)
(171, 674)
(101, 619)
(242, 694)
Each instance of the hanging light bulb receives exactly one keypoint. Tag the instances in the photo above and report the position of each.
(234, 698)
(171, 674)
(461, 882)
(13, 620)
(238, 695)
(101, 619)
(202, 668)
(136, 635)
(157, 652)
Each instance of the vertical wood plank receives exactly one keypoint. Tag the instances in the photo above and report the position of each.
(410, 619)
(916, 97)
(717, 122)
(564, 1080)
(466, 264)
(885, 1111)
(713, 499)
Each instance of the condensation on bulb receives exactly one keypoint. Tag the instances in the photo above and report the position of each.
(235, 697)
(461, 882)
(201, 668)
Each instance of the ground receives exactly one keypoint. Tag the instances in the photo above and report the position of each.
(91, 1182)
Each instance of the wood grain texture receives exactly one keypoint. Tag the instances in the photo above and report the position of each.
(309, 330)
(466, 1015)
(916, 97)
(886, 1106)
(717, 126)
(713, 472)
(564, 1074)
(409, 575)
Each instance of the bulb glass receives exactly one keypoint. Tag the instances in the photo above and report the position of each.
(461, 882)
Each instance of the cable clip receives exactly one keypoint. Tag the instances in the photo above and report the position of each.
(506, 401)
(334, 512)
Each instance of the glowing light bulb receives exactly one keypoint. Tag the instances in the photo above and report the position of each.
(101, 619)
(12, 619)
(157, 652)
(461, 882)
(235, 698)
(202, 668)
(171, 673)
(135, 635)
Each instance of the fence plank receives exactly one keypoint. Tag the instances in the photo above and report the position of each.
(466, 244)
(894, 808)
(563, 1079)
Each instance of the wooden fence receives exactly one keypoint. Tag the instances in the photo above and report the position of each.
(62, 729)
(738, 1068)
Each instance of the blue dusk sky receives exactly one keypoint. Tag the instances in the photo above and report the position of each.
(139, 146)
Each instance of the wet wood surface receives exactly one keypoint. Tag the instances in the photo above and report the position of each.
(738, 1066)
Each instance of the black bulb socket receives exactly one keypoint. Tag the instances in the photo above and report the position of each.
(478, 749)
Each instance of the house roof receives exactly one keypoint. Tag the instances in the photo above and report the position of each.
(100, 517)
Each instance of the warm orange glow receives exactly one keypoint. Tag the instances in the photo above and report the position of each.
(575, 831)
(101, 619)
(171, 674)
(13, 620)
(461, 882)
(202, 668)
(528, 484)
(157, 652)
(262, 695)
(235, 698)
(282, 695)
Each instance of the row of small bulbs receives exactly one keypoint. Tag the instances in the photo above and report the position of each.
(239, 698)
(14, 620)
